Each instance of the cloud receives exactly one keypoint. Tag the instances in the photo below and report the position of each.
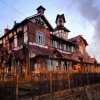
(90, 11)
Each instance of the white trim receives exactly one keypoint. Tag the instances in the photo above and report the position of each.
(16, 48)
(35, 44)
(64, 51)
(25, 37)
(15, 41)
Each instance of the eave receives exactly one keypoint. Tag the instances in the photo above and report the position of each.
(61, 39)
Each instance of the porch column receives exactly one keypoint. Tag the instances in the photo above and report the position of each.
(25, 37)
(88, 82)
(69, 65)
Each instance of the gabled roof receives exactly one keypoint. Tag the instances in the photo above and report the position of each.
(27, 20)
(76, 40)
(44, 18)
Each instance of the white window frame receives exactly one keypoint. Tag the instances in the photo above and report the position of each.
(40, 38)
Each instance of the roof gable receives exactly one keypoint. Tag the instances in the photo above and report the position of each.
(40, 19)
(77, 40)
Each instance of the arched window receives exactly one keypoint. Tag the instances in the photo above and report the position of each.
(40, 38)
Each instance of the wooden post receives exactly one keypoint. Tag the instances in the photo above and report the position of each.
(51, 80)
(87, 75)
(29, 63)
(68, 71)
(17, 81)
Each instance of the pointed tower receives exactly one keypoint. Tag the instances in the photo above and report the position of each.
(60, 20)
(40, 10)
(60, 30)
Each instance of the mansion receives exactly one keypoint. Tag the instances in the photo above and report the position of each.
(33, 46)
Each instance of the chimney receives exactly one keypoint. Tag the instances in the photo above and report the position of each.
(40, 10)
(15, 23)
(6, 30)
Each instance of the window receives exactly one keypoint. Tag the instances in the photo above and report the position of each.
(72, 49)
(40, 38)
(58, 44)
(11, 43)
(53, 43)
(20, 37)
(64, 47)
(67, 47)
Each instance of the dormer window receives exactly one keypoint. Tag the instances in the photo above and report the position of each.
(40, 38)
